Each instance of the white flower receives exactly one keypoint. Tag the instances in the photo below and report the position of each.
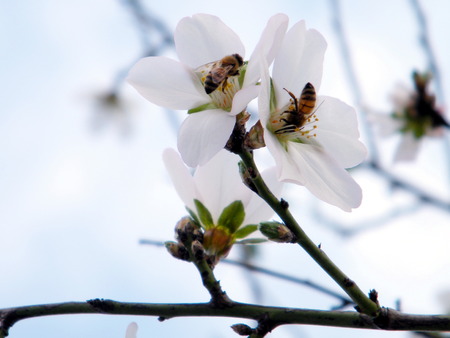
(314, 152)
(218, 184)
(201, 40)
(415, 117)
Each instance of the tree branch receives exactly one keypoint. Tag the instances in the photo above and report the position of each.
(282, 209)
(388, 320)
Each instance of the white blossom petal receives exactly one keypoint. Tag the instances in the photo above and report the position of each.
(299, 61)
(219, 183)
(324, 177)
(286, 167)
(203, 134)
(257, 210)
(181, 178)
(131, 330)
(242, 98)
(264, 94)
(408, 148)
(338, 131)
(204, 38)
(167, 83)
(269, 44)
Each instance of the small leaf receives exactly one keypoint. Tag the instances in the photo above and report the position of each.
(206, 106)
(194, 217)
(204, 215)
(252, 241)
(245, 231)
(232, 216)
(242, 72)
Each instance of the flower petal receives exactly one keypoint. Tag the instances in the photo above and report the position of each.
(408, 148)
(269, 44)
(167, 83)
(203, 134)
(243, 97)
(181, 178)
(257, 210)
(219, 183)
(131, 330)
(323, 176)
(204, 38)
(338, 131)
(299, 61)
(286, 166)
(264, 94)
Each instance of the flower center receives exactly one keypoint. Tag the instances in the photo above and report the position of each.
(221, 79)
(298, 120)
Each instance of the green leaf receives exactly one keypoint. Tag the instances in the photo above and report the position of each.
(246, 230)
(204, 215)
(242, 72)
(273, 99)
(232, 216)
(203, 107)
(252, 241)
(194, 217)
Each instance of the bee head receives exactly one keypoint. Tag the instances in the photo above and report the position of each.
(234, 60)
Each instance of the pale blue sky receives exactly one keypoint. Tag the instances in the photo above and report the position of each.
(75, 200)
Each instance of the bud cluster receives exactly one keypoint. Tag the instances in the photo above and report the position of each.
(192, 241)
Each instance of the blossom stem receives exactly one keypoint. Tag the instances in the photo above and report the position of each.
(365, 305)
(219, 298)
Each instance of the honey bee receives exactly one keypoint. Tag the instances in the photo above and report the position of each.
(303, 109)
(221, 70)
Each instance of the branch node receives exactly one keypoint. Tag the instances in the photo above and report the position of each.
(101, 305)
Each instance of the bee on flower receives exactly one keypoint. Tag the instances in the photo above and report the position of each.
(212, 81)
(313, 138)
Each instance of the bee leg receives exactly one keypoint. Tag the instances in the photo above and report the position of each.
(224, 85)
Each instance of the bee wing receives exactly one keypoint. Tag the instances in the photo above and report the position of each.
(220, 73)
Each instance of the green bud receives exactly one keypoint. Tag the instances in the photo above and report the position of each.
(246, 177)
(218, 241)
(277, 232)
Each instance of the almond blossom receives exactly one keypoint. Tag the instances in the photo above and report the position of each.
(415, 116)
(201, 41)
(310, 149)
(215, 187)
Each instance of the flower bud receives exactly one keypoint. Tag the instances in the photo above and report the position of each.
(198, 250)
(177, 250)
(242, 329)
(277, 232)
(246, 177)
(255, 137)
(186, 228)
(217, 241)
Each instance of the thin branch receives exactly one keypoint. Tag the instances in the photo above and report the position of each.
(269, 272)
(351, 76)
(414, 190)
(281, 208)
(425, 41)
(388, 320)
(372, 223)
(344, 300)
